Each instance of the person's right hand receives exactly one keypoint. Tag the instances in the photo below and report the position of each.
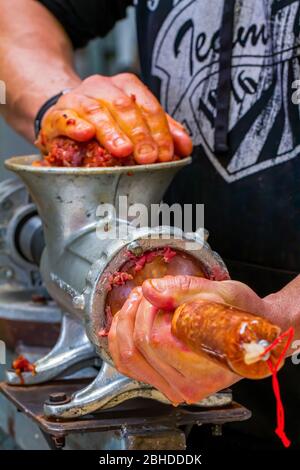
(143, 347)
(122, 114)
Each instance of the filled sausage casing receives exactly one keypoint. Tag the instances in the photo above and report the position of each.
(229, 336)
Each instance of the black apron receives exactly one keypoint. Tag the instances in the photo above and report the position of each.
(250, 182)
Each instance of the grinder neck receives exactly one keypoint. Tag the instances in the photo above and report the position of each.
(68, 202)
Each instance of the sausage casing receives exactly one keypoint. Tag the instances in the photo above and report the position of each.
(223, 333)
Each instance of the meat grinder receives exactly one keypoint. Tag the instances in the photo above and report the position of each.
(85, 243)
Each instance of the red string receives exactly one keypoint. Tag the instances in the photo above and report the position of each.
(280, 431)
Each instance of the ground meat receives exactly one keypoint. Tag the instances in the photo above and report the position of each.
(118, 279)
(64, 152)
(20, 365)
(140, 261)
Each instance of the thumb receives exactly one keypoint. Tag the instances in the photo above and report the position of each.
(169, 292)
(66, 122)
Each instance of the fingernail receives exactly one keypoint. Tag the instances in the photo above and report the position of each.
(156, 285)
(145, 149)
(119, 142)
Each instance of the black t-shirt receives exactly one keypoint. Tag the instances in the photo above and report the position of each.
(84, 20)
(251, 192)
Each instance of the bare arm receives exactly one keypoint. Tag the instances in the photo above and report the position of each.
(286, 306)
(36, 61)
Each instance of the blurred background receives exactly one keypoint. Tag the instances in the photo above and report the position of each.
(113, 54)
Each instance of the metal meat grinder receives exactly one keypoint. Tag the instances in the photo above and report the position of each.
(67, 238)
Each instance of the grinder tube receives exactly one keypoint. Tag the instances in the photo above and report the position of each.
(228, 336)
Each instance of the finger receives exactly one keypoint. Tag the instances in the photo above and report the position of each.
(152, 112)
(66, 122)
(112, 340)
(108, 133)
(127, 114)
(182, 141)
(170, 291)
(144, 321)
(127, 358)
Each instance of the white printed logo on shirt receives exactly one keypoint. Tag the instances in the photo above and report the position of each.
(264, 123)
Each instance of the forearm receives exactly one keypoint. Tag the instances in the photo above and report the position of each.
(36, 61)
(285, 306)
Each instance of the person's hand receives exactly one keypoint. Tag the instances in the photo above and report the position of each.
(143, 347)
(122, 114)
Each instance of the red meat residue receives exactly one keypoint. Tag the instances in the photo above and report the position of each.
(20, 365)
(140, 261)
(118, 279)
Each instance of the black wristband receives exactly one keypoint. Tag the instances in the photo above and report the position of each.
(42, 111)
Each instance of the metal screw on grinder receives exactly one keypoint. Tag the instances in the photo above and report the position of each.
(79, 302)
(136, 249)
(58, 398)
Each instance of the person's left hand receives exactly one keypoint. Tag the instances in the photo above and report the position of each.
(143, 347)
(122, 114)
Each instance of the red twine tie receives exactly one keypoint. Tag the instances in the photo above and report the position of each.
(289, 334)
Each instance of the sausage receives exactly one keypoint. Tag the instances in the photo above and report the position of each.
(229, 336)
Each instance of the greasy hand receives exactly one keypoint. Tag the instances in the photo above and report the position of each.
(143, 347)
(122, 114)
